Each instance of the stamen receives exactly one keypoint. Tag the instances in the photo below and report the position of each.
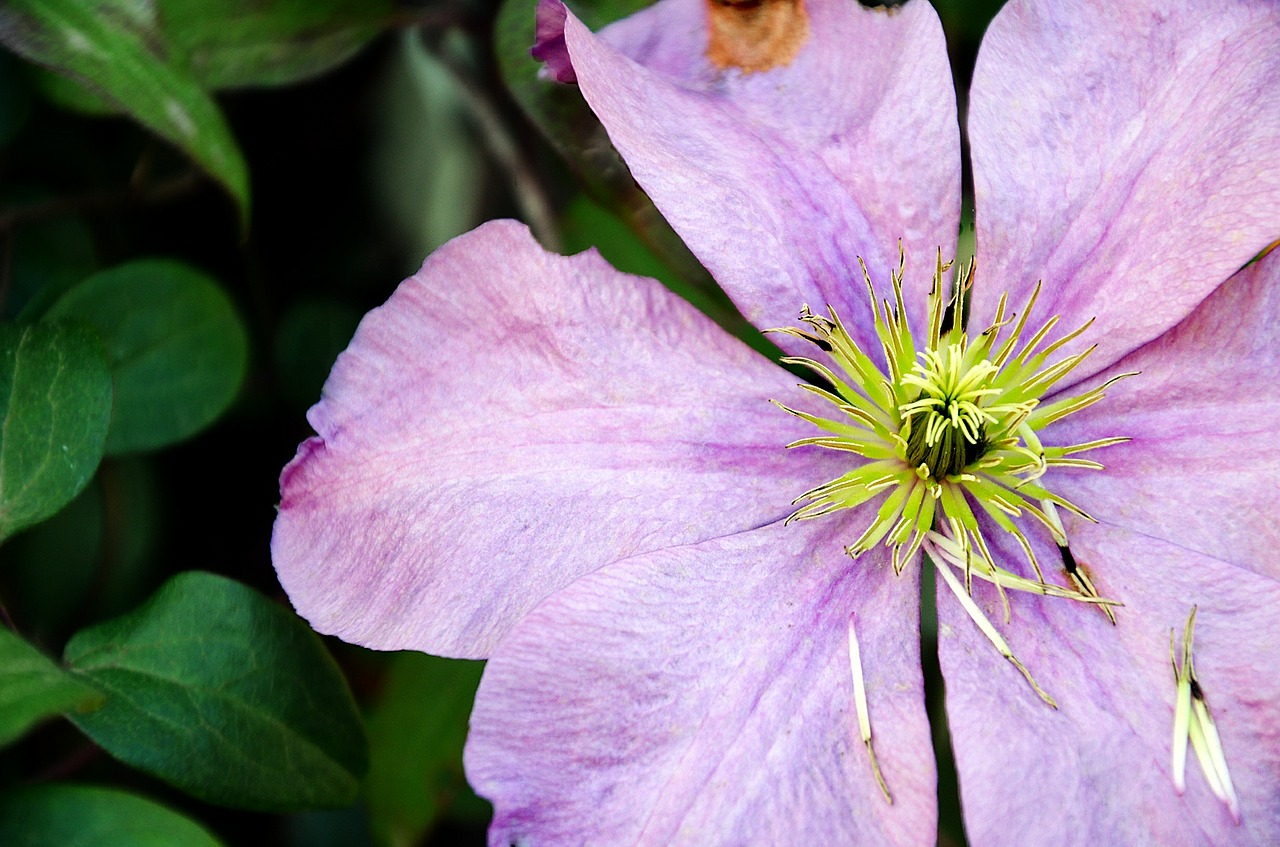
(954, 554)
(1193, 722)
(860, 705)
(976, 615)
(1077, 574)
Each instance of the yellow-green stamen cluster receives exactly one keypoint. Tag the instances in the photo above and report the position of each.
(948, 429)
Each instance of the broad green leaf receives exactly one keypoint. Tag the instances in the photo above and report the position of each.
(74, 95)
(224, 694)
(416, 734)
(107, 46)
(55, 407)
(176, 346)
(33, 688)
(81, 816)
(236, 43)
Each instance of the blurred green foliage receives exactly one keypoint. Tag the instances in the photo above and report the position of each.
(198, 201)
(417, 729)
(80, 816)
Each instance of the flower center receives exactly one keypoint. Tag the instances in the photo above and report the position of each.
(949, 430)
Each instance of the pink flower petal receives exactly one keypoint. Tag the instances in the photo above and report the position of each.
(1097, 770)
(703, 696)
(1203, 465)
(779, 180)
(510, 420)
(1127, 154)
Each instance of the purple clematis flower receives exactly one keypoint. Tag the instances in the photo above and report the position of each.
(571, 472)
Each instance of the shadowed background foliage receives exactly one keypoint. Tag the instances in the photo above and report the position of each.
(197, 203)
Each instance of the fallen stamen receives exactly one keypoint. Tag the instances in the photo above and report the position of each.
(860, 705)
(1193, 723)
(976, 615)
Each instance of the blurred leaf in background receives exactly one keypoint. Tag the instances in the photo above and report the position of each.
(430, 161)
(81, 816)
(177, 349)
(311, 334)
(159, 60)
(95, 557)
(236, 43)
(416, 732)
(111, 47)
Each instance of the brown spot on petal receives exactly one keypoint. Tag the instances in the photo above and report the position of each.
(755, 35)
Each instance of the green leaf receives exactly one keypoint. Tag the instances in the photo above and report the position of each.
(176, 346)
(33, 688)
(236, 43)
(416, 734)
(109, 46)
(55, 407)
(224, 694)
(81, 816)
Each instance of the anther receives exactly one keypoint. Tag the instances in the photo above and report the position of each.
(1192, 722)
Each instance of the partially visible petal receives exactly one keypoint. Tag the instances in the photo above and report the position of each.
(779, 180)
(510, 420)
(1098, 769)
(548, 45)
(1128, 154)
(702, 696)
(1203, 465)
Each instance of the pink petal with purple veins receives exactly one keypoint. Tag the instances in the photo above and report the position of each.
(1202, 469)
(1098, 769)
(779, 180)
(1128, 154)
(509, 421)
(703, 696)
